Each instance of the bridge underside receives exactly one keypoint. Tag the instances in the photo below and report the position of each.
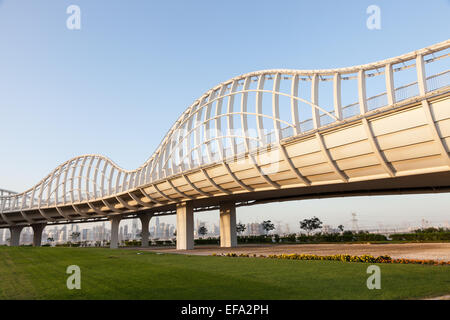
(425, 183)
(438, 182)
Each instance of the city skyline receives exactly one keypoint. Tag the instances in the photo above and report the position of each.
(160, 230)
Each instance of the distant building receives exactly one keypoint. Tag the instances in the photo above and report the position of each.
(84, 235)
(254, 229)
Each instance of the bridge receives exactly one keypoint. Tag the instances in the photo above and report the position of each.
(272, 135)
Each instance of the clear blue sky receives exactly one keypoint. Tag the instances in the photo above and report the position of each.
(116, 86)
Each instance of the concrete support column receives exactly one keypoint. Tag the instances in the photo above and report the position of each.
(14, 240)
(228, 233)
(185, 226)
(115, 221)
(145, 234)
(37, 233)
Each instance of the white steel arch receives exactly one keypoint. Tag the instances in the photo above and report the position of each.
(228, 129)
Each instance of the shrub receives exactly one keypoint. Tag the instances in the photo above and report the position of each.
(431, 230)
(339, 257)
(254, 239)
(289, 238)
(346, 236)
(207, 241)
(132, 243)
(422, 236)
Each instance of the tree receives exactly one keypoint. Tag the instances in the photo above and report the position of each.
(310, 224)
(50, 239)
(202, 230)
(75, 236)
(341, 228)
(267, 226)
(240, 228)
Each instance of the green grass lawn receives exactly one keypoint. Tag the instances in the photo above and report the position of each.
(40, 273)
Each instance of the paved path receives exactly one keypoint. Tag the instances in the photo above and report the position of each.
(434, 251)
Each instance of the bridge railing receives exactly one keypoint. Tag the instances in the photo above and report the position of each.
(272, 101)
(438, 81)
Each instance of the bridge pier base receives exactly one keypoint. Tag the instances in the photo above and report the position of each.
(145, 234)
(185, 226)
(228, 233)
(15, 231)
(37, 233)
(115, 221)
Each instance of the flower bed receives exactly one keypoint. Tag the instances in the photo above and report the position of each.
(337, 257)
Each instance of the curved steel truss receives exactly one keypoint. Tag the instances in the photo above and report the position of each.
(241, 116)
